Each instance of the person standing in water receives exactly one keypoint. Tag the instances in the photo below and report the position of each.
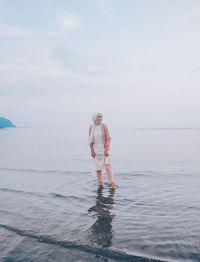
(99, 141)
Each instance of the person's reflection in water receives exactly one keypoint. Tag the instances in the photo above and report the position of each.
(100, 232)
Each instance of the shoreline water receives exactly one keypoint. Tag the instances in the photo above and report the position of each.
(49, 195)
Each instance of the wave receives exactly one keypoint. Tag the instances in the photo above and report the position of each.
(112, 253)
(53, 195)
(44, 171)
(64, 172)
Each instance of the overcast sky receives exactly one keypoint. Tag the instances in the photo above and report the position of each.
(136, 61)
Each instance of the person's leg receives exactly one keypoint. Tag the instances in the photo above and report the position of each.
(99, 176)
(109, 173)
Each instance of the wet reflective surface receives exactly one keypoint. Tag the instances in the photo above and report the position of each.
(51, 206)
(101, 231)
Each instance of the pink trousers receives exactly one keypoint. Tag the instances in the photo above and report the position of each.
(109, 174)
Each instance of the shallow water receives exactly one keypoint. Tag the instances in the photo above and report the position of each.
(50, 206)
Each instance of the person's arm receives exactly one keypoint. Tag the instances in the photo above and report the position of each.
(108, 139)
(91, 144)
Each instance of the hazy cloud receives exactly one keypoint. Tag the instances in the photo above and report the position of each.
(136, 61)
(67, 21)
(76, 61)
(101, 3)
(12, 30)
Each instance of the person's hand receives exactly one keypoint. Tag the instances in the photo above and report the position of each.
(105, 152)
(92, 153)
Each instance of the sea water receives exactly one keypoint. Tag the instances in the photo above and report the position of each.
(51, 208)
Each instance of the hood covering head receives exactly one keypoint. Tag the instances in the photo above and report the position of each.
(95, 116)
(91, 137)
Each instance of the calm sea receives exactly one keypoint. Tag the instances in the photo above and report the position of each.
(52, 210)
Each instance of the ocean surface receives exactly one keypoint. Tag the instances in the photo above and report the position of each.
(52, 210)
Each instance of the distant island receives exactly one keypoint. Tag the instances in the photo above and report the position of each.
(4, 122)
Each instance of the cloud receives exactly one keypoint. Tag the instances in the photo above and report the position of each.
(94, 69)
(74, 60)
(100, 3)
(67, 21)
(11, 30)
(104, 4)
